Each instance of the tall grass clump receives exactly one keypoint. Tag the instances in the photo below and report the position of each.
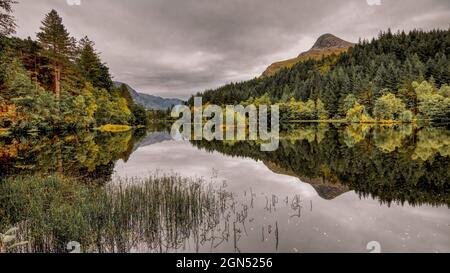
(151, 214)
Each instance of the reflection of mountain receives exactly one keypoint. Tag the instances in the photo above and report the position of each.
(324, 188)
(153, 138)
(394, 164)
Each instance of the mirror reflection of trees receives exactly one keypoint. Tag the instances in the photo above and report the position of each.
(400, 163)
(88, 155)
(46, 192)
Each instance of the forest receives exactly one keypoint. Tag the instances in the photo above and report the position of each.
(57, 83)
(397, 77)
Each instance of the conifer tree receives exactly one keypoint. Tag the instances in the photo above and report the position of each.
(7, 21)
(57, 46)
(91, 66)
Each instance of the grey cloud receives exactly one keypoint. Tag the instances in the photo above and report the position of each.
(175, 48)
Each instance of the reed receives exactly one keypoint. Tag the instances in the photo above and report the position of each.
(154, 214)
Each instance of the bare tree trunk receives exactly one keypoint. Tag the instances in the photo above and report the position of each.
(57, 80)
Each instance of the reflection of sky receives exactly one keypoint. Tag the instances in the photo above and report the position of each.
(346, 223)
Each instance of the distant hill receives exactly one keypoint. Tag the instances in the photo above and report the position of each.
(148, 101)
(326, 45)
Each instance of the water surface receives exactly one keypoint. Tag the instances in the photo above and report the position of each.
(328, 188)
(285, 213)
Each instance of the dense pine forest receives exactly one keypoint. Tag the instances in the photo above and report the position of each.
(57, 83)
(396, 77)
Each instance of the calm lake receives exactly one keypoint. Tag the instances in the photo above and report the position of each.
(328, 188)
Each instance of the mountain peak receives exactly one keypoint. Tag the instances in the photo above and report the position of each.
(329, 41)
(326, 45)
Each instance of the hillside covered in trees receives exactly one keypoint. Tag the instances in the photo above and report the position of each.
(57, 83)
(396, 77)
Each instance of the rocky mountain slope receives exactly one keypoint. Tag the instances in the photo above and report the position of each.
(326, 45)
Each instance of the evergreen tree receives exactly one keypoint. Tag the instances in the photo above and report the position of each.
(7, 21)
(57, 46)
(91, 67)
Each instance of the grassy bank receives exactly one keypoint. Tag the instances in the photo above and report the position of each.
(154, 212)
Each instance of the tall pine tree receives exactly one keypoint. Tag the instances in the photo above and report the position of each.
(57, 46)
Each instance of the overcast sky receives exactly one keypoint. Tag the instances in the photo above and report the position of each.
(174, 48)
